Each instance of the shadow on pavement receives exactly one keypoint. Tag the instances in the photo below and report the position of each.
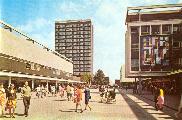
(19, 114)
(166, 118)
(140, 113)
(4, 116)
(61, 100)
(149, 108)
(67, 110)
(166, 110)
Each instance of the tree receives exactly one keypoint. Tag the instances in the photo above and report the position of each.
(86, 77)
(99, 78)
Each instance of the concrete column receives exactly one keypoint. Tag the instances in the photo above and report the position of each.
(160, 30)
(33, 84)
(47, 84)
(140, 85)
(140, 33)
(9, 81)
(135, 80)
(56, 84)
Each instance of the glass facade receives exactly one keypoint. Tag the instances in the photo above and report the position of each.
(154, 52)
(156, 47)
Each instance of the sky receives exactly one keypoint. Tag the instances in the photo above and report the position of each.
(37, 19)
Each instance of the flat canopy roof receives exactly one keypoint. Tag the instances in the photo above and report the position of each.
(10, 74)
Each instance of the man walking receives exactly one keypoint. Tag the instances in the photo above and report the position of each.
(68, 90)
(26, 93)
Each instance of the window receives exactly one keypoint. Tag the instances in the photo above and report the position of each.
(134, 54)
(180, 59)
(166, 29)
(177, 28)
(134, 29)
(176, 44)
(176, 61)
(145, 30)
(155, 29)
(87, 28)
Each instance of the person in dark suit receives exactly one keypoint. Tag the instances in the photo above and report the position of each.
(87, 97)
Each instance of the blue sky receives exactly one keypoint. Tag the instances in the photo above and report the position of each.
(36, 18)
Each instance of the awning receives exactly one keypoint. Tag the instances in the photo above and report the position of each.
(10, 74)
(28, 76)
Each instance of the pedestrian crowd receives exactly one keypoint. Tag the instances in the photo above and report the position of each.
(107, 95)
(8, 97)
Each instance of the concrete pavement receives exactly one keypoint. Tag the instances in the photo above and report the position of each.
(127, 107)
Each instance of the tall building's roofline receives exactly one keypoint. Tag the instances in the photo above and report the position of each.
(155, 6)
(143, 13)
(68, 21)
(7, 26)
(153, 9)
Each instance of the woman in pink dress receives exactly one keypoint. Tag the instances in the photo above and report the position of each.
(61, 90)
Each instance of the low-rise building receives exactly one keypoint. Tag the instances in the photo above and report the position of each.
(24, 59)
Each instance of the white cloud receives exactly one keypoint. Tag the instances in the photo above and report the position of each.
(180, 1)
(70, 7)
(108, 18)
(72, 10)
(41, 30)
(109, 29)
(149, 2)
(33, 25)
(109, 26)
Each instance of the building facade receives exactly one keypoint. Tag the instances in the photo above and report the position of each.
(74, 39)
(123, 78)
(24, 59)
(153, 42)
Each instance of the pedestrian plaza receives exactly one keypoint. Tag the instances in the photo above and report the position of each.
(127, 107)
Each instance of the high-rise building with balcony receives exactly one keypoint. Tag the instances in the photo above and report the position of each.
(74, 39)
